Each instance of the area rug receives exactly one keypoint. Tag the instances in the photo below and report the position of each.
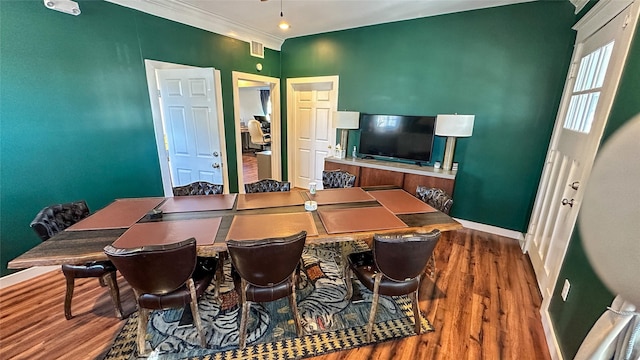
(330, 322)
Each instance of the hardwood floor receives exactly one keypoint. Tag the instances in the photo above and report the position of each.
(249, 168)
(484, 305)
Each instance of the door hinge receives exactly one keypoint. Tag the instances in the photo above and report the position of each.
(573, 70)
(159, 93)
(627, 18)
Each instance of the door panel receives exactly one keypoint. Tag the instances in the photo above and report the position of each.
(188, 102)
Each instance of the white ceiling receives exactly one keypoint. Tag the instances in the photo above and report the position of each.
(255, 20)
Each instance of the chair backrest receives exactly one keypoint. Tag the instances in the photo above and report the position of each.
(267, 185)
(55, 218)
(255, 132)
(266, 262)
(198, 188)
(332, 179)
(403, 257)
(435, 197)
(155, 269)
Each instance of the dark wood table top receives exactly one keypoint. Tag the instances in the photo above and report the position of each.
(79, 247)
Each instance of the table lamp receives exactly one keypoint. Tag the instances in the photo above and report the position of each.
(345, 120)
(453, 126)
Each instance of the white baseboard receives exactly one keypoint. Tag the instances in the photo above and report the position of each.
(550, 335)
(492, 229)
(25, 275)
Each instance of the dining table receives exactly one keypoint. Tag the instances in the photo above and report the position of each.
(339, 215)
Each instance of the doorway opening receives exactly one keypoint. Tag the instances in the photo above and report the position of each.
(256, 101)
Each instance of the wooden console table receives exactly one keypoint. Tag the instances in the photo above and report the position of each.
(370, 172)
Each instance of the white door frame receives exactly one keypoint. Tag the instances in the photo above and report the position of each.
(156, 113)
(276, 123)
(304, 84)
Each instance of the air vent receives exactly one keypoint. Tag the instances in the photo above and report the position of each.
(257, 49)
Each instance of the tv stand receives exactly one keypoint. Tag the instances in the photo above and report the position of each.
(372, 172)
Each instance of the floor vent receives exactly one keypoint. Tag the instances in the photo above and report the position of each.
(257, 49)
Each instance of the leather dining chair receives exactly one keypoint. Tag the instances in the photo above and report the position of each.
(332, 179)
(435, 197)
(256, 134)
(267, 270)
(394, 267)
(267, 185)
(55, 218)
(162, 277)
(198, 188)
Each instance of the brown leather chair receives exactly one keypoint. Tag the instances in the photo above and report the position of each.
(394, 267)
(55, 218)
(162, 277)
(435, 197)
(198, 188)
(267, 270)
(267, 185)
(332, 179)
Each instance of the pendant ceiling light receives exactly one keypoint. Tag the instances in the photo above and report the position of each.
(284, 25)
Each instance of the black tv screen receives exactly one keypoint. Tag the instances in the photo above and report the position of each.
(402, 137)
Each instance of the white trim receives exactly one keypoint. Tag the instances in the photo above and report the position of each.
(184, 13)
(601, 13)
(276, 123)
(579, 4)
(550, 335)
(512, 234)
(26, 274)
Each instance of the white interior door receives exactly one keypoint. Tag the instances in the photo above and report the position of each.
(312, 103)
(597, 63)
(190, 120)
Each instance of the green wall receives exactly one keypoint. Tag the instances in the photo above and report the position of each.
(589, 298)
(506, 65)
(75, 117)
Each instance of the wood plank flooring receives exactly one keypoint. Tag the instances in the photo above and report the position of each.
(484, 304)
(249, 168)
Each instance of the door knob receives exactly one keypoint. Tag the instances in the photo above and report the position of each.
(215, 154)
(215, 165)
(567, 202)
(575, 185)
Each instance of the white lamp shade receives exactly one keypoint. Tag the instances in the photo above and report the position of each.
(454, 125)
(346, 120)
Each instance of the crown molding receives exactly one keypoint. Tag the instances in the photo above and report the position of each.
(178, 11)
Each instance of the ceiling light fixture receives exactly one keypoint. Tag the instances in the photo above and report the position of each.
(284, 25)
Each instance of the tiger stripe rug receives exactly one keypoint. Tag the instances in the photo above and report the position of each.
(330, 322)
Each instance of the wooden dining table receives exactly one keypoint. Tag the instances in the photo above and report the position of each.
(341, 215)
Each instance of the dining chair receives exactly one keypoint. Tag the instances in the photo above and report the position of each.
(435, 197)
(198, 188)
(439, 200)
(393, 267)
(267, 270)
(332, 179)
(55, 218)
(256, 134)
(267, 185)
(162, 277)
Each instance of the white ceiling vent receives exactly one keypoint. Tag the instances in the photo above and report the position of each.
(257, 49)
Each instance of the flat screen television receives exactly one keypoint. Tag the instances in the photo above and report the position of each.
(402, 137)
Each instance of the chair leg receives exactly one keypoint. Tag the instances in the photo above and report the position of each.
(293, 304)
(374, 307)
(430, 270)
(111, 281)
(245, 306)
(143, 318)
(195, 313)
(102, 282)
(68, 296)
(348, 282)
(416, 312)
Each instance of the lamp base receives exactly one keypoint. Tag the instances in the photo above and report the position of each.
(450, 146)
